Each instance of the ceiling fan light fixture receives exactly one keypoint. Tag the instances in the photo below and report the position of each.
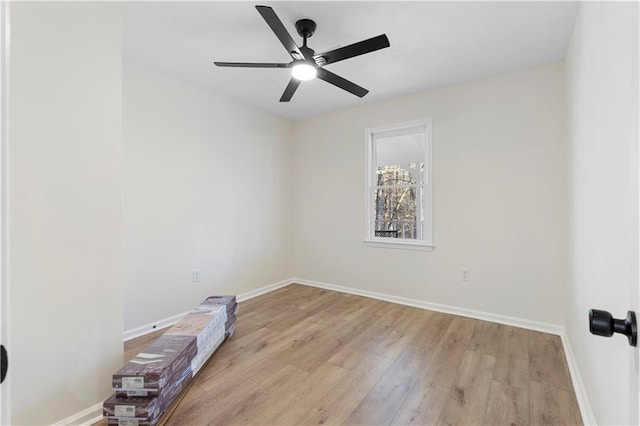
(304, 71)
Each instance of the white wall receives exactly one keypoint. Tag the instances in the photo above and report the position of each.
(207, 185)
(64, 205)
(499, 151)
(602, 81)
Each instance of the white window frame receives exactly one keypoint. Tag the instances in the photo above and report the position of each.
(370, 239)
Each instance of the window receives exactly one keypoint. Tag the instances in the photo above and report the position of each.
(399, 186)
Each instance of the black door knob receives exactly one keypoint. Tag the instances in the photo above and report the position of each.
(4, 360)
(602, 323)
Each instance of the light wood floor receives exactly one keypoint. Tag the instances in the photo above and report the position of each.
(303, 355)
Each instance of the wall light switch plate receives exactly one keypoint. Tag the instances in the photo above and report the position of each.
(195, 276)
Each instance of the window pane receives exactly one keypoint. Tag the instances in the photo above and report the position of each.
(397, 212)
(400, 159)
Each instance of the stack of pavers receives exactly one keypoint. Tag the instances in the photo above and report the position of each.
(148, 384)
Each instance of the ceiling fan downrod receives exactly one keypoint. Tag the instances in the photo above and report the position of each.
(305, 29)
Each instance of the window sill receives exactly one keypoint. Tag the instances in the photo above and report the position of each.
(402, 245)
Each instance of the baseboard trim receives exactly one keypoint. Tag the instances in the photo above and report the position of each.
(86, 417)
(168, 322)
(262, 290)
(470, 313)
(578, 385)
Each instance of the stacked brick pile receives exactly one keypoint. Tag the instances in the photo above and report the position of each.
(147, 385)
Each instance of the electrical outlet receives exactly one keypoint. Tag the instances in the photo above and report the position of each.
(195, 276)
(465, 275)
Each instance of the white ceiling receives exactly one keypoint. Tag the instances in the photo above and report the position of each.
(433, 44)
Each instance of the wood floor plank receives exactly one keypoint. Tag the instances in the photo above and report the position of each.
(194, 392)
(442, 367)
(350, 354)
(487, 338)
(467, 399)
(251, 321)
(547, 363)
(387, 335)
(382, 402)
(289, 411)
(235, 354)
(512, 372)
(347, 331)
(552, 406)
(423, 404)
(367, 308)
(282, 321)
(249, 350)
(312, 352)
(391, 318)
(228, 387)
(394, 342)
(433, 331)
(515, 342)
(342, 307)
(339, 402)
(507, 405)
(253, 406)
(251, 338)
(262, 371)
(320, 298)
(512, 363)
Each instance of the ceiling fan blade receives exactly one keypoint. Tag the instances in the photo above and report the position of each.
(290, 90)
(342, 83)
(355, 49)
(280, 31)
(250, 65)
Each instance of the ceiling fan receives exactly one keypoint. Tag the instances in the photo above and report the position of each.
(306, 65)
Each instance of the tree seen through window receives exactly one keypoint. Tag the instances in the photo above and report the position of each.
(397, 200)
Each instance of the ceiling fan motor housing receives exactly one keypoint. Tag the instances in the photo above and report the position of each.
(305, 28)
